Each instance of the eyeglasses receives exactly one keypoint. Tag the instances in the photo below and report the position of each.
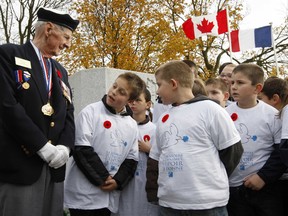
(229, 75)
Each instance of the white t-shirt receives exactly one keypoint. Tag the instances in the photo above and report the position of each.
(259, 128)
(158, 110)
(188, 138)
(284, 118)
(133, 198)
(114, 138)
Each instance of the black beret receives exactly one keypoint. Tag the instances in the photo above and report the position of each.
(62, 19)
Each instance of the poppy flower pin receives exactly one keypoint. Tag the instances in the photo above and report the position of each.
(165, 117)
(146, 138)
(107, 124)
(234, 116)
(59, 73)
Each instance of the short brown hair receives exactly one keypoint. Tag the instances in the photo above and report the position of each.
(219, 83)
(135, 83)
(252, 71)
(177, 70)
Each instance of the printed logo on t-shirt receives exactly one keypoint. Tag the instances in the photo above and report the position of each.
(244, 134)
(171, 137)
(117, 139)
(246, 160)
(172, 163)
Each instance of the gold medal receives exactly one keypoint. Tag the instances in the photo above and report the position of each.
(25, 85)
(47, 109)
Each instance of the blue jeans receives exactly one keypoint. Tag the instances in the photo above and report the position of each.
(219, 211)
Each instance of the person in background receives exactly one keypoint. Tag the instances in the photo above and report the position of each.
(198, 88)
(106, 150)
(274, 93)
(217, 90)
(254, 185)
(225, 73)
(37, 123)
(133, 200)
(189, 148)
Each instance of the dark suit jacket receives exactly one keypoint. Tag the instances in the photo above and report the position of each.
(24, 129)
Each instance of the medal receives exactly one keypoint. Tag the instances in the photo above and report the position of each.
(25, 85)
(47, 109)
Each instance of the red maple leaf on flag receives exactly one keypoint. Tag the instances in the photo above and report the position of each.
(205, 27)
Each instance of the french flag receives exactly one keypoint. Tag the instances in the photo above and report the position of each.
(242, 40)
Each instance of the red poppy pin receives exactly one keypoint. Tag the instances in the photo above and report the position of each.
(107, 124)
(59, 73)
(234, 116)
(146, 138)
(165, 117)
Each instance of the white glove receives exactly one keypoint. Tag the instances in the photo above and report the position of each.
(61, 158)
(48, 152)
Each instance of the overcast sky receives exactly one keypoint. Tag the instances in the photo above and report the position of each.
(262, 12)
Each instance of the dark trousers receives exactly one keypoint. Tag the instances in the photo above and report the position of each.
(246, 202)
(96, 212)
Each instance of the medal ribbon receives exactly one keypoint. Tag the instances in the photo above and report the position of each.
(47, 71)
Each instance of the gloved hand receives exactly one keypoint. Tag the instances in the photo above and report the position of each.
(61, 158)
(48, 152)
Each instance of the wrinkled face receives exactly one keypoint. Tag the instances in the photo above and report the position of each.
(216, 94)
(118, 95)
(139, 105)
(242, 89)
(226, 74)
(164, 90)
(58, 38)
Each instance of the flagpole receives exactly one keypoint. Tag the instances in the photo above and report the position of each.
(229, 36)
(274, 49)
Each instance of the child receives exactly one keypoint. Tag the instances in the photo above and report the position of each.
(217, 90)
(199, 88)
(133, 199)
(106, 151)
(274, 92)
(254, 189)
(197, 146)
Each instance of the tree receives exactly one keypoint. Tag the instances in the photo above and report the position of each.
(17, 18)
(140, 35)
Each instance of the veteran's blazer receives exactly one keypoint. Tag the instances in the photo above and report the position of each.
(24, 129)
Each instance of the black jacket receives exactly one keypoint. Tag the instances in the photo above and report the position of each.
(24, 129)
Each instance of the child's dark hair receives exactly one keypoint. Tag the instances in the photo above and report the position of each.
(135, 83)
(147, 96)
(275, 85)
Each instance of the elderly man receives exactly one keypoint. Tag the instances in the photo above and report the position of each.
(36, 119)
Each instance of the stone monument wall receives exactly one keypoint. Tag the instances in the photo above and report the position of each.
(89, 86)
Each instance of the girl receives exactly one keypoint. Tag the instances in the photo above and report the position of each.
(106, 151)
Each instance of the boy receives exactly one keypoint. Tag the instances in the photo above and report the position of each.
(195, 141)
(217, 90)
(274, 92)
(253, 186)
(106, 151)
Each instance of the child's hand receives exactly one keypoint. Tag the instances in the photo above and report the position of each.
(144, 146)
(254, 182)
(109, 185)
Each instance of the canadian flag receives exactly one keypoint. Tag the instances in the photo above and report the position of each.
(212, 24)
